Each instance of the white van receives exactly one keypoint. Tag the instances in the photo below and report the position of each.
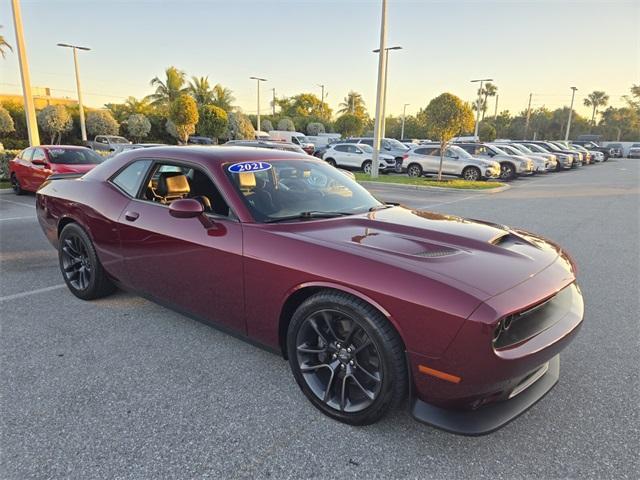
(323, 139)
(296, 138)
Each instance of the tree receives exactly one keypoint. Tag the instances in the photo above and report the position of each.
(138, 126)
(6, 122)
(200, 90)
(131, 106)
(101, 122)
(315, 128)
(486, 132)
(213, 121)
(183, 113)
(4, 46)
(489, 90)
(54, 120)
(304, 105)
(445, 117)
(240, 127)
(169, 90)
(223, 98)
(596, 99)
(353, 103)
(286, 123)
(349, 125)
(266, 125)
(483, 106)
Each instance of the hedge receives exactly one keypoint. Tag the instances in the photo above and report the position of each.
(5, 156)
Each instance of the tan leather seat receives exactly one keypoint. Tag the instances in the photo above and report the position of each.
(172, 186)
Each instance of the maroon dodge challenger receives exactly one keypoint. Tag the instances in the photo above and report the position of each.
(371, 303)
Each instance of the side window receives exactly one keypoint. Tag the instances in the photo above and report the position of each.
(26, 154)
(169, 182)
(131, 177)
(341, 148)
(354, 149)
(38, 154)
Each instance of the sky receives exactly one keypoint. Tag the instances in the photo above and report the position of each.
(540, 47)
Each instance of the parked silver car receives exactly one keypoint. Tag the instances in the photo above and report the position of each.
(540, 164)
(358, 156)
(510, 165)
(456, 161)
(552, 160)
(565, 160)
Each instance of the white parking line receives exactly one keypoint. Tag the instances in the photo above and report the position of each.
(17, 203)
(17, 218)
(31, 292)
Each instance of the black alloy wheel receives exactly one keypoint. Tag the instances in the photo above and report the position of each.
(346, 357)
(81, 269)
(507, 171)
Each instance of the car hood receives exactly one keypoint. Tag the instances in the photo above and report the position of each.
(482, 258)
(67, 168)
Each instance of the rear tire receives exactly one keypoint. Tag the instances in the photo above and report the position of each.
(81, 269)
(15, 185)
(507, 171)
(414, 170)
(331, 162)
(346, 357)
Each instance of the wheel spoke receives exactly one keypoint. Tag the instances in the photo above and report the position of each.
(375, 378)
(368, 393)
(362, 347)
(354, 328)
(326, 317)
(73, 265)
(314, 325)
(313, 368)
(327, 392)
(343, 393)
(304, 348)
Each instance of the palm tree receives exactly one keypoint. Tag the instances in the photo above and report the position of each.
(4, 46)
(200, 90)
(353, 103)
(489, 90)
(596, 99)
(133, 105)
(167, 91)
(223, 97)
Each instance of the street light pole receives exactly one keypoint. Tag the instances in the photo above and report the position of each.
(495, 112)
(384, 89)
(322, 98)
(526, 124)
(75, 48)
(482, 80)
(379, 91)
(273, 105)
(404, 115)
(258, 80)
(29, 107)
(573, 94)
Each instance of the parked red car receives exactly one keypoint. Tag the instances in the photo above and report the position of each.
(31, 167)
(369, 302)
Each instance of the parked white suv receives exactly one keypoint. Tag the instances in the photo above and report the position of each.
(426, 159)
(358, 156)
(511, 165)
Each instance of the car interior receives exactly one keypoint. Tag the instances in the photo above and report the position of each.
(172, 182)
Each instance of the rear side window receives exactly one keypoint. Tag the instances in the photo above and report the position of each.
(26, 154)
(367, 142)
(341, 148)
(131, 177)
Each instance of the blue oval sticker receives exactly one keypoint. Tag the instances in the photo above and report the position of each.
(249, 167)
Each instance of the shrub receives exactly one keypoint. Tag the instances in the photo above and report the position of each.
(266, 125)
(349, 125)
(138, 126)
(6, 122)
(184, 116)
(213, 121)
(286, 124)
(315, 128)
(101, 122)
(240, 127)
(5, 156)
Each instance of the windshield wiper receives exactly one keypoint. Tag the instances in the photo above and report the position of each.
(379, 207)
(308, 215)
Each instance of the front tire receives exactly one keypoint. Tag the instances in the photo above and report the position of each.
(331, 162)
(507, 171)
(346, 357)
(366, 167)
(471, 174)
(15, 185)
(80, 266)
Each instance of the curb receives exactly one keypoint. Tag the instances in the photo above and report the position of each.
(405, 186)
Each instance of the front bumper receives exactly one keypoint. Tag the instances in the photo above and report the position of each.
(495, 415)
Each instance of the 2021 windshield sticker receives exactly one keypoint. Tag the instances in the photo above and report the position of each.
(249, 167)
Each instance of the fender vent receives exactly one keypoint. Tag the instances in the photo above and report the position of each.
(435, 253)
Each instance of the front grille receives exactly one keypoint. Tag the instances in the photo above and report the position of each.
(522, 326)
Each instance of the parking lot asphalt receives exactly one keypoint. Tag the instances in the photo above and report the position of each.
(123, 388)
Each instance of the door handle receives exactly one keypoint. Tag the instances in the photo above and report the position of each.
(131, 216)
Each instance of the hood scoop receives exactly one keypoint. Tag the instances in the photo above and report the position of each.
(402, 245)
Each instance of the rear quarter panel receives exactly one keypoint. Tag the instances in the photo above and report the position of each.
(95, 205)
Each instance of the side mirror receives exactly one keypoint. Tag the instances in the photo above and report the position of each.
(39, 163)
(186, 208)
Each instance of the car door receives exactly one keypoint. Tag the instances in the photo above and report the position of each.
(356, 156)
(194, 264)
(427, 159)
(451, 163)
(342, 155)
(39, 169)
(20, 167)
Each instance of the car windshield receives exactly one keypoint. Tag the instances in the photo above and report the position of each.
(551, 146)
(365, 148)
(510, 150)
(297, 190)
(393, 143)
(498, 151)
(301, 139)
(522, 148)
(74, 156)
(460, 152)
(536, 148)
(117, 140)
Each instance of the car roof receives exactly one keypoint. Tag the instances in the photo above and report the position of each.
(68, 147)
(221, 154)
